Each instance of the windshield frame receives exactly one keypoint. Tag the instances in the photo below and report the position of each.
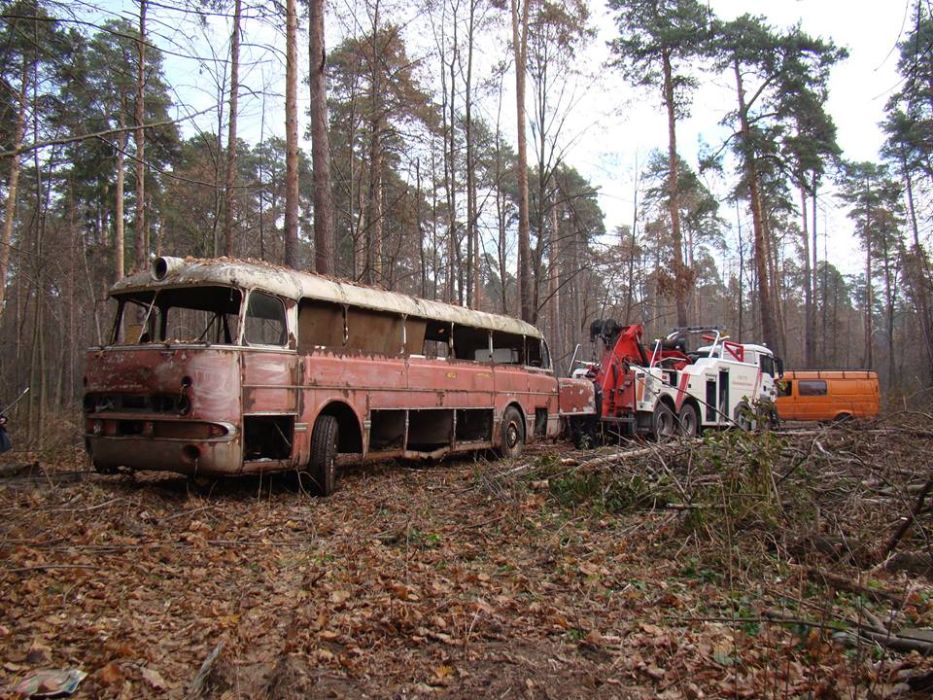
(157, 304)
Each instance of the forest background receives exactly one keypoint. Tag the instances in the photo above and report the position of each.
(136, 129)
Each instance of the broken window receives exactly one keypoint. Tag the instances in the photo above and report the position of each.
(265, 320)
(207, 315)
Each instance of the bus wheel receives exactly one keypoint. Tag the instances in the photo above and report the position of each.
(323, 464)
(513, 433)
(689, 421)
(662, 422)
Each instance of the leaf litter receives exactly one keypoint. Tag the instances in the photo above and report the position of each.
(733, 566)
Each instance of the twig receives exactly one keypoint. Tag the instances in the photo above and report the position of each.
(908, 521)
(197, 683)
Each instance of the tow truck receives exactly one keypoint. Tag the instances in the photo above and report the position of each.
(672, 390)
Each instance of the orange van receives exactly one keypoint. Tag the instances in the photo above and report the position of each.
(828, 395)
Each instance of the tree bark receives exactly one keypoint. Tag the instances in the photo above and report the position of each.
(119, 223)
(680, 278)
(142, 242)
(325, 256)
(769, 330)
(12, 190)
(808, 339)
(291, 135)
(520, 46)
(231, 174)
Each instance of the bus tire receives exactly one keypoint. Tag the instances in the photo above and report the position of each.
(512, 435)
(322, 467)
(663, 422)
(689, 420)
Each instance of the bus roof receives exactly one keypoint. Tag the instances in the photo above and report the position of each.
(297, 285)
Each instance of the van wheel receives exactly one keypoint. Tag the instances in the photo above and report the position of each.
(689, 421)
(663, 423)
(322, 467)
(513, 433)
(842, 418)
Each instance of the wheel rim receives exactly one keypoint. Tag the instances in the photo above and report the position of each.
(688, 422)
(511, 435)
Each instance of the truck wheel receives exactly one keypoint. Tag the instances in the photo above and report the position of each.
(322, 466)
(689, 421)
(513, 433)
(663, 423)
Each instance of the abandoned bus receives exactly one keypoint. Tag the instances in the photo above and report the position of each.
(222, 367)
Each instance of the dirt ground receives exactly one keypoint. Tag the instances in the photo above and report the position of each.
(537, 578)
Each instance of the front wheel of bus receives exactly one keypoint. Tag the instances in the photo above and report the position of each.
(323, 465)
(513, 433)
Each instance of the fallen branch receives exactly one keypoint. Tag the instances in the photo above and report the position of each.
(908, 521)
(844, 584)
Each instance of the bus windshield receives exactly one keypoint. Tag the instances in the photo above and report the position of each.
(196, 315)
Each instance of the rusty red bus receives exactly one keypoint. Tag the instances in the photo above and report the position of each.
(222, 367)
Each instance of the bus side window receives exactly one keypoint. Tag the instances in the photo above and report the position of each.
(265, 320)
(320, 324)
(785, 387)
(469, 341)
(436, 340)
(508, 349)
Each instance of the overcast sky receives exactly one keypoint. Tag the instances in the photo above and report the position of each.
(632, 122)
(614, 126)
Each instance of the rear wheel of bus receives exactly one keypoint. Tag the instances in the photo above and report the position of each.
(322, 466)
(513, 433)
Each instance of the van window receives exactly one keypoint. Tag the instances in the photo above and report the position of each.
(265, 320)
(785, 387)
(811, 387)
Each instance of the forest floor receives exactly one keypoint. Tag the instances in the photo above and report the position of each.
(787, 564)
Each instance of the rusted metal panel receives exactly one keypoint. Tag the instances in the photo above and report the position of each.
(130, 394)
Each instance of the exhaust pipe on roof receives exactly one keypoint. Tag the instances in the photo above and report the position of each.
(161, 267)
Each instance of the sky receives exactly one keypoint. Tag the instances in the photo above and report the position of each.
(614, 126)
(632, 121)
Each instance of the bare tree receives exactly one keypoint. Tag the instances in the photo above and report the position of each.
(324, 244)
(142, 242)
(291, 134)
(231, 175)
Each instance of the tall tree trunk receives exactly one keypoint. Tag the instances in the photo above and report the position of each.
(142, 242)
(811, 321)
(12, 189)
(119, 223)
(681, 282)
(633, 242)
(918, 274)
(769, 329)
(376, 226)
(231, 175)
(808, 339)
(520, 46)
(869, 294)
(292, 253)
(325, 255)
(474, 285)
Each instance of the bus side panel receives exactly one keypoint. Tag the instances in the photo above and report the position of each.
(534, 390)
(271, 406)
